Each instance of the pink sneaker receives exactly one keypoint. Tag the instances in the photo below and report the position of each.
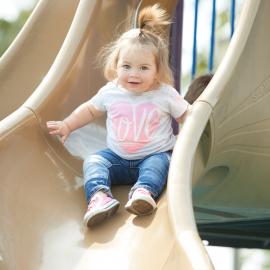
(99, 209)
(141, 203)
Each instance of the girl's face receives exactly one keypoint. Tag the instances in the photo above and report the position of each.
(137, 69)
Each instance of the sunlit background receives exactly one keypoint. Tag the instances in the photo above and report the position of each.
(14, 13)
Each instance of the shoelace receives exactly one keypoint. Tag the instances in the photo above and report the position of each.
(143, 191)
(94, 201)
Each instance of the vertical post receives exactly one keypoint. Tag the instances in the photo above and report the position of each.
(194, 50)
(236, 259)
(176, 49)
(176, 44)
(232, 16)
(212, 37)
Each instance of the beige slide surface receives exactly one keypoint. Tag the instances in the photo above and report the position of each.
(41, 188)
(28, 59)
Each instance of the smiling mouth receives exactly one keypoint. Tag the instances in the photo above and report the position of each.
(134, 82)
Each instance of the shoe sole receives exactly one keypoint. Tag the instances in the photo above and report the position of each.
(140, 208)
(102, 215)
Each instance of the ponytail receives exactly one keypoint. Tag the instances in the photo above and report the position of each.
(152, 19)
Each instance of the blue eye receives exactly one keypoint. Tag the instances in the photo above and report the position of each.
(126, 67)
(144, 68)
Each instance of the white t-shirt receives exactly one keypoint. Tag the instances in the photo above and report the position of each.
(139, 124)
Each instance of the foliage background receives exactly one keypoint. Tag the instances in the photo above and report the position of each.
(10, 29)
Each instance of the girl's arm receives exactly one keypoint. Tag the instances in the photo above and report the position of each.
(84, 114)
(182, 118)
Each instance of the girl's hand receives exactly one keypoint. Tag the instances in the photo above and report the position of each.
(58, 128)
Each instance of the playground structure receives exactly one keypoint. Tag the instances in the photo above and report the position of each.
(222, 155)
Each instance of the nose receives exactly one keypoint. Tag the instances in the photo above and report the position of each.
(133, 72)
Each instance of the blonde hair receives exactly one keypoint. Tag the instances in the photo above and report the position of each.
(150, 33)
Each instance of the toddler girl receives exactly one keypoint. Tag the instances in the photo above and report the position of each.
(140, 102)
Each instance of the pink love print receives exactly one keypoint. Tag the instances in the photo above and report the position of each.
(134, 125)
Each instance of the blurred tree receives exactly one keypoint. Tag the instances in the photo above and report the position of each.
(254, 259)
(10, 29)
(266, 263)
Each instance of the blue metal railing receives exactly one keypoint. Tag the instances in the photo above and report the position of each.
(194, 51)
(212, 36)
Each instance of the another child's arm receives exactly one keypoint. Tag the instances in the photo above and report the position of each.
(84, 114)
(195, 89)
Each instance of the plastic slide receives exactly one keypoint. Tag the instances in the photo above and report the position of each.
(30, 56)
(41, 192)
(223, 151)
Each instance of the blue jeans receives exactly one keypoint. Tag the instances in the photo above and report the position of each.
(105, 168)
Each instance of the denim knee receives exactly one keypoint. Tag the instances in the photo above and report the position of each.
(153, 173)
(96, 175)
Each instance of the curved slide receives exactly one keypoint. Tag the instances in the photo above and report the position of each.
(28, 59)
(223, 151)
(41, 194)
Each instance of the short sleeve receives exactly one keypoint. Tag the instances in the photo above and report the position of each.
(177, 104)
(99, 100)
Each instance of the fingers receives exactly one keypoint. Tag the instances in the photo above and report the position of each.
(63, 138)
(58, 128)
(53, 124)
(55, 132)
(54, 127)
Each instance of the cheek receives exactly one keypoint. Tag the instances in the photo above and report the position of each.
(122, 75)
(119, 73)
(151, 77)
